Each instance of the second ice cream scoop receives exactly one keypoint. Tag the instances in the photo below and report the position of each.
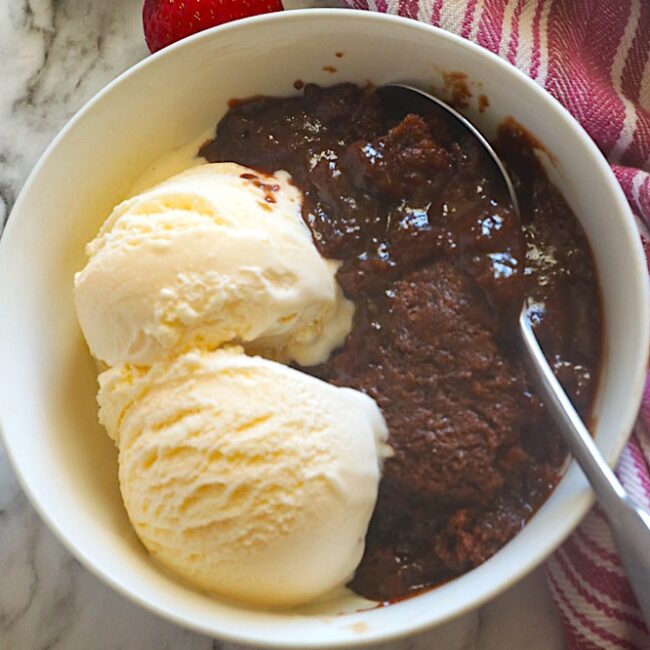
(248, 478)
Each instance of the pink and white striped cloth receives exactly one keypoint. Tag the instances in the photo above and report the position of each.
(594, 57)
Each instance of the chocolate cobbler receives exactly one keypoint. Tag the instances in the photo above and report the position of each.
(438, 263)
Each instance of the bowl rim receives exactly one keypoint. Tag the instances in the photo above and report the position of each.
(637, 381)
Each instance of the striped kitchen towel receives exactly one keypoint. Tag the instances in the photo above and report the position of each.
(592, 56)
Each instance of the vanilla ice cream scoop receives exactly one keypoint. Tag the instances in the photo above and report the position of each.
(215, 255)
(246, 477)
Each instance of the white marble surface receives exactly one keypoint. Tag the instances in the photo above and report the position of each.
(54, 55)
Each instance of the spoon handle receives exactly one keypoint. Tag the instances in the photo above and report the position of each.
(630, 524)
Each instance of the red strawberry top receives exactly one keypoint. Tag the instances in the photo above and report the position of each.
(167, 21)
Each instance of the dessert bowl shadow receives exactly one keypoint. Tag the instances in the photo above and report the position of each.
(48, 412)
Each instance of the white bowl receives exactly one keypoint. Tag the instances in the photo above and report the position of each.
(65, 461)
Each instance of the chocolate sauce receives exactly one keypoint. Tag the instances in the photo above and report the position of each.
(438, 264)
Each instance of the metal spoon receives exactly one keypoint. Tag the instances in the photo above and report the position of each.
(630, 524)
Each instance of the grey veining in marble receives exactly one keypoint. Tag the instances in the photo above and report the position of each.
(54, 55)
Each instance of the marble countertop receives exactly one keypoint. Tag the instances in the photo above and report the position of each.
(54, 55)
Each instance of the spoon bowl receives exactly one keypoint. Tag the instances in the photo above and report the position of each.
(403, 88)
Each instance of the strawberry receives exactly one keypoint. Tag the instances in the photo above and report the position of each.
(167, 21)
